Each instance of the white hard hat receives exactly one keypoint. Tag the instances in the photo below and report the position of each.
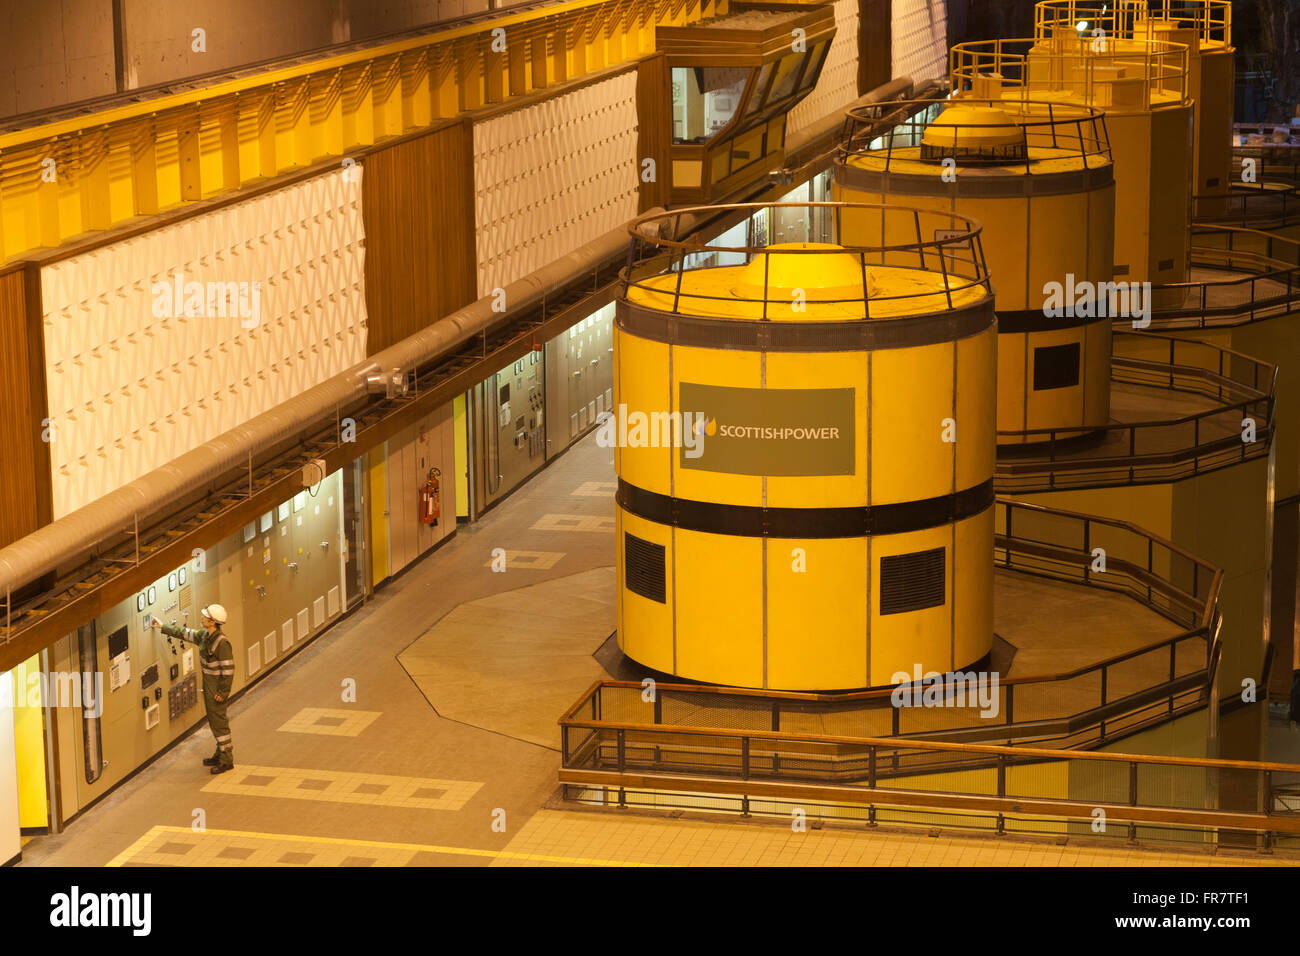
(215, 612)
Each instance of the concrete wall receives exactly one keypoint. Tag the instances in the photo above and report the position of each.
(62, 51)
(54, 52)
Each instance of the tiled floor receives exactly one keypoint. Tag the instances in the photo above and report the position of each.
(644, 840)
(331, 721)
(445, 750)
(378, 790)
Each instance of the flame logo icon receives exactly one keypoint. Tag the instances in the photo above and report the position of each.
(709, 427)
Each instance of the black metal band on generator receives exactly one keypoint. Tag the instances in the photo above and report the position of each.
(1034, 320)
(757, 522)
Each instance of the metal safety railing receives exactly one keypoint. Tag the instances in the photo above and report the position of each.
(1211, 19)
(1265, 281)
(1053, 130)
(1268, 162)
(814, 230)
(1078, 707)
(994, 789)
(1263, 204)
(1087, 69)
(1236, 426)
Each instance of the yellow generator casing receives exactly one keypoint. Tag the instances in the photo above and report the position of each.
(1048, 227)
(829, 532)
(1205, 26)
(1144, 89)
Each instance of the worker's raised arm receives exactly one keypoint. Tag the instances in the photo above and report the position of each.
(194, 635)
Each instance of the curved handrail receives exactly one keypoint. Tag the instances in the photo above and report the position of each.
(862, 124)
(1255, 202)
(1262, 269)
(1211, 19)
(1163, 66)
(953, 253)
(1259, 391)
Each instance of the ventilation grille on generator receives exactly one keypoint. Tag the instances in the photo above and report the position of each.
(910, 582)
(1056, 366)
(643, 564)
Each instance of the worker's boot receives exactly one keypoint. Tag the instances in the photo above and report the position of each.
(225, 761)
(213, 760)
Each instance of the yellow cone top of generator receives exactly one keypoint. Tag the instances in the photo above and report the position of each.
(973, 134)
(804, 443)
(785, 276)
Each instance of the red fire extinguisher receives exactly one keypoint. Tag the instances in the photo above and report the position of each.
(430, 506)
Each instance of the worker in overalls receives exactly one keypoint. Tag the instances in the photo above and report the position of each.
(218, 659)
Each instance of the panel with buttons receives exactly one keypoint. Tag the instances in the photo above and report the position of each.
(182, 696)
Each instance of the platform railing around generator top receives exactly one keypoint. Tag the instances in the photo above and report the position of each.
(955, 255)
(1084, 67)
(1211, 19)
(1064, 128)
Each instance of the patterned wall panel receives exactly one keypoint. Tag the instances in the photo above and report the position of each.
(920, 38)
(552, 176)
(837, 87)
(134, 381)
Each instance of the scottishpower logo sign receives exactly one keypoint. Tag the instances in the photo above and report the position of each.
(772, 431)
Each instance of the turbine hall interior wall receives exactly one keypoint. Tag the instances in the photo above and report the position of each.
(920, 39)
(129, 391)
(837, 86)
(550, 177)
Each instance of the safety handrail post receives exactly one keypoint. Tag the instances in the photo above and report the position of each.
(1173, 671)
